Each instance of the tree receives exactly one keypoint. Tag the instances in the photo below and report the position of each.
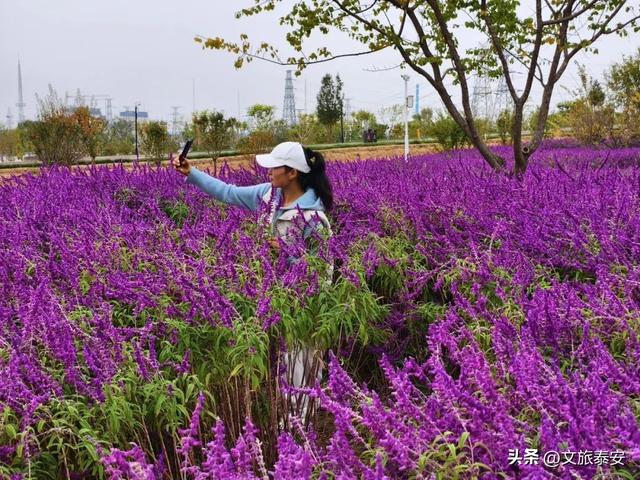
(262, 126)
(362, 120)
(447, 132)
(623, 80)
(57, 134)
(261, 117)
(504, 126)
(393, 116)
(10, 144)
(329, 101)
(156, 141)
(91, 131)
(420, 123)
(307, 130)
(214, 133)
(119, 138)
(541, 40)
(591, 120)
(424, 118)
(553, 125)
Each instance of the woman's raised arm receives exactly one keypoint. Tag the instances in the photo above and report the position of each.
(247, 197)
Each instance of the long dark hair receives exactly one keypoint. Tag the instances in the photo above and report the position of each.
(317, 177)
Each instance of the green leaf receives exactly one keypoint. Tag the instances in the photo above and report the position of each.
(159, 402)
(11, 431)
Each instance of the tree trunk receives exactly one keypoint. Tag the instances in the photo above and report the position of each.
(520, 153)
(495, 161)
(467, 124)
(543, 113)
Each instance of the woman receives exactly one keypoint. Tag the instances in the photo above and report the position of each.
(298, 183)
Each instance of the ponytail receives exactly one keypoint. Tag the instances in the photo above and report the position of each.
(317, 177)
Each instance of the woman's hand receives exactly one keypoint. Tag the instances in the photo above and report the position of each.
(183, 167)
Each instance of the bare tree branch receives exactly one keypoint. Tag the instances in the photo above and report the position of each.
(495, 41)
(601, 31)
(539, 76)
(551, 9)
(424, 46)
(534, 56)
(573, 16)
(313, 62)
(373, 4)
(457, 62)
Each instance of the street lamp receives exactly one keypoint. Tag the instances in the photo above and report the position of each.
(406, 116)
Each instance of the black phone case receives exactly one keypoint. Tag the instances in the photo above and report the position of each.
(185, 151)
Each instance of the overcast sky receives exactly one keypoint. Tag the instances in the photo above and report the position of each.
(143, 51)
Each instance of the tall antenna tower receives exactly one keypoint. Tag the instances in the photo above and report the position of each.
(481, 100)
(20, 103)
(175, 121)
(9, 119)
(490, 97)
(501, 98)
(347, 116)
(289, 109)
(109, 110)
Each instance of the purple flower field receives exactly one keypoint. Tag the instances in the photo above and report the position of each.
(476, 324)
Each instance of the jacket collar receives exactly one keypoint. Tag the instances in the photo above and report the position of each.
(307, 201)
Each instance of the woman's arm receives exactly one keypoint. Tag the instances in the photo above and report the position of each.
(247, 197)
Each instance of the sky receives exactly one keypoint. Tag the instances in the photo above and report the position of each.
(143, 51)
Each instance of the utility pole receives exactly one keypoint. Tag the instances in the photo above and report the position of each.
(135, 114)
(342, 119)
(406, 116)
(348, 115)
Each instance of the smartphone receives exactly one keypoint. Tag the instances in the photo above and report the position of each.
(185, 150)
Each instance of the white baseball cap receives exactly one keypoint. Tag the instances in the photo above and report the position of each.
(286, 153)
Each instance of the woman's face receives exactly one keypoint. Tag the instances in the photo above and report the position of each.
(280, 177)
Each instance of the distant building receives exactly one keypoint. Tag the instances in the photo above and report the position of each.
(131, 115)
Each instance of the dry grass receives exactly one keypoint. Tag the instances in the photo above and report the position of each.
(332, 155)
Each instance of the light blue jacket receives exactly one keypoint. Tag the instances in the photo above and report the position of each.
(252, 196)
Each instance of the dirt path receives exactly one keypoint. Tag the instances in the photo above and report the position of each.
(331, 155)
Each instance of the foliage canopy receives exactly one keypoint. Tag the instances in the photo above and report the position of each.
(522, 45)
